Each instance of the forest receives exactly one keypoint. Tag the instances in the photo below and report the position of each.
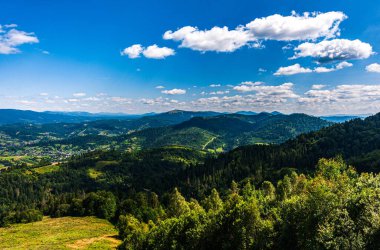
(317, 191)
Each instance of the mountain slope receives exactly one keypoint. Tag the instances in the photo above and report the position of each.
(357, 141)
(225, 132)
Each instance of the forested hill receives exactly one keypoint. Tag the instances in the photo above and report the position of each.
(199, 130)
(138, 191)
(357, 141)
(14, 116)
(225, 132)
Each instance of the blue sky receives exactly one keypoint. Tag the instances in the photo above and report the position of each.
(79, 55)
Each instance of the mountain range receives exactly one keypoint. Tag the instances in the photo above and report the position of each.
(11, 116)
(200, 130)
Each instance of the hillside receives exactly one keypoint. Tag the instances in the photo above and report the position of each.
(226, 132)
(357, 141)
(61, 140)
(60, 233)
(282, 190)
(200, 130)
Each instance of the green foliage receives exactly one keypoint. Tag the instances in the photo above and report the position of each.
(334, 209)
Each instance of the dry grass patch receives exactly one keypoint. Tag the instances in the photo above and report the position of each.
(60, 233)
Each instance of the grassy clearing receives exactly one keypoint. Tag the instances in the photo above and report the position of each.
(93, 173)
(60, 233)
(47, 169)
(14, 160)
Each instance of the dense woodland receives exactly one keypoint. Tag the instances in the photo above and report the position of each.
(301, 194)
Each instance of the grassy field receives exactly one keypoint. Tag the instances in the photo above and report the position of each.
(60, 233)
(47, 169)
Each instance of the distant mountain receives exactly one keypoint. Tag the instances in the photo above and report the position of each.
(11, 116)
(342, 118)
(255, 113)
(246, 113)
(199, 130)
(225, 132)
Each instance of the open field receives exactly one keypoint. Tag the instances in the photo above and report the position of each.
(60, 233)
(47, 169)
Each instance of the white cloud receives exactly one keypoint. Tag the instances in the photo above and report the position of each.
(216, 39)
(336, 49)
(344, 94)
(323, 70)
(44, 94)
(374, 67)
(160, 87)
(79, 94)
(297, 27)
(120, 99)
(72, 100)
(219, 92)
(156, 52)
(174, 92)
(282, 91)
(297, 69)
(12, 25)
(133, 51)
(339, 66)
(264, 97)
(215, 85)
(153, 51)
(292, 70)
(308, 26)
(11, 39)
(318, 86)
(343, 65)
(262, 70)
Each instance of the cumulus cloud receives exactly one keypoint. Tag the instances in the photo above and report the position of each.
(308, 26)
(332, 50)
(263, 97)
(297, 69)
(374, 67)
(174, 92)
(153, 51)
(133, 51)
(11, 39)
(279, 92)
(156, 52)
(216, 39)
(344, 94)
(339, 66)
(292, 70)
(160, 87)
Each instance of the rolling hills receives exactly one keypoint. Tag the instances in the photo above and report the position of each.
(225, 132)
(199, 130)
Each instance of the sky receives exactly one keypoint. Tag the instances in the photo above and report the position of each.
(315, 57)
